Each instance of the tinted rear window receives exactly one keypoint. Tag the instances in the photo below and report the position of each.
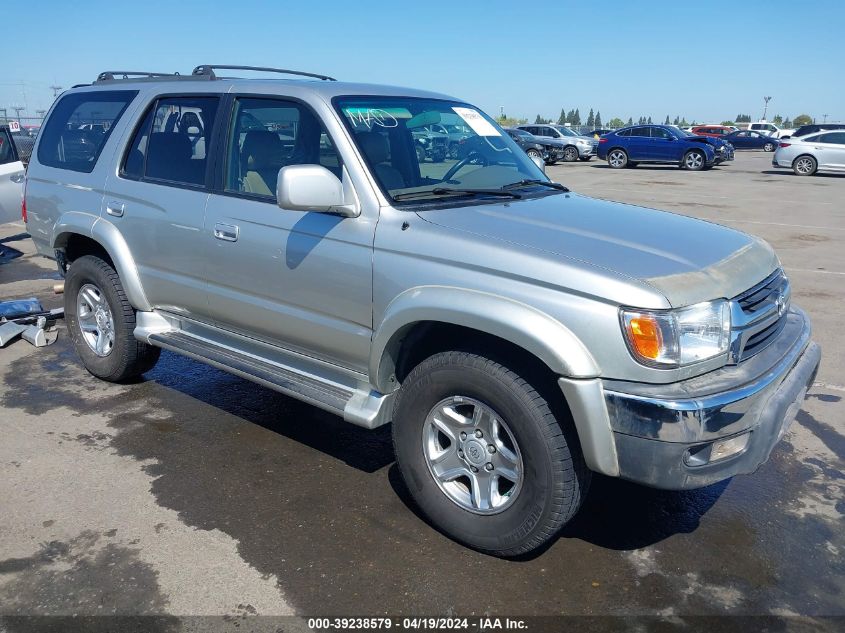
(79, 127)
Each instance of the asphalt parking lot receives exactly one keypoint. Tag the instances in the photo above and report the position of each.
(193, 492)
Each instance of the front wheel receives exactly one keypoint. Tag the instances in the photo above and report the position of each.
(484, 456)
(805, 166)
(101, 322)
(570, 154)
(533, 153)
(694, 160)
(617, 158)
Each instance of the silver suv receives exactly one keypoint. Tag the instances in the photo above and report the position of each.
(518, 336)
(576, 146)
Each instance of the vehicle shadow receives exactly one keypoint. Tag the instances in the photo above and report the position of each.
(789, 172)
(644, 167)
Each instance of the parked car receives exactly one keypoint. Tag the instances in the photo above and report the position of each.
(631, 146)
(546, 149)
(809, 154)
(431, 144)
(576, 146)
(770, 128)
(745, 139)
(816, 127)
(717, 131)
(11, 177)
(517, 335)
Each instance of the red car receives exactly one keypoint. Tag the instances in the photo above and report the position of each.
(716, 131)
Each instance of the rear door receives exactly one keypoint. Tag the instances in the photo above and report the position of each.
(11, 179)
(639, 144)
(157, 200)
(830, 150)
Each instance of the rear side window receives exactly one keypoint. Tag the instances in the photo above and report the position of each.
(7, 151)
(173, 141)
(833, 137)
(79, 127)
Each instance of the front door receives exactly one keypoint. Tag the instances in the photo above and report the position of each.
(831, 150)
(298, 280)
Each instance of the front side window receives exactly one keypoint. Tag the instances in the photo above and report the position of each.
(7, 151)
(172, 141)
(838, 138)
(268, 134)
(79, 127)
(414, 164)
(659, 132)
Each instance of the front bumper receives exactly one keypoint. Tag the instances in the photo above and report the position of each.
(587, 150)
(664, 434)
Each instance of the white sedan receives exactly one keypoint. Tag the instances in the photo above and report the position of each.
(807, 155)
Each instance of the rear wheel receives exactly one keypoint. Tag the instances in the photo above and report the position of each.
(617, 158)
(420, 154)
(769, 147)
(484, 456)
(570, 154)
(101, 322)
(694, 160)
(804, 166)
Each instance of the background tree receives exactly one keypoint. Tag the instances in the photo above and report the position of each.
(570, 117)
(591, 119)
(727, 123)
(666, 122)
(562, 118)
(778, 120)
(677, 120)
(801, 119)
(787, 123)
(630, 121)
(649, 120)
(598, 119)
(576, 118)
(616, 123)
(539, 119)
(743, 118)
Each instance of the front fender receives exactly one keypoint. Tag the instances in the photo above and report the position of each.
(107, 236)
(525, 326)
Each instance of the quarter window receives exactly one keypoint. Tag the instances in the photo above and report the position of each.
(79, 127)
(268, 134)
(837, 138)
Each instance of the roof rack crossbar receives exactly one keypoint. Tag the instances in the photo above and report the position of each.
(208, 70)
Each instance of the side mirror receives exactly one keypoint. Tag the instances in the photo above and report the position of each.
(314, 188)
(539, 162)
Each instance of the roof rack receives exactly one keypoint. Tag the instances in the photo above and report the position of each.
(207, 70)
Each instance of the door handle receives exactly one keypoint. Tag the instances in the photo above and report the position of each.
(226, 232)
(17, 178)
(115, 209)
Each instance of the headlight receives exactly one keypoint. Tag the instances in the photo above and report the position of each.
(672, 338)
(582, 141)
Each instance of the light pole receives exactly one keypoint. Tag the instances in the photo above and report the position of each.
(5, 114)
(18, 110)
(56, 90)
(766, 107)
(825, 117)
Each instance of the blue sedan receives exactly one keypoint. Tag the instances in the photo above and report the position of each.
(746, 139)
(656, 144)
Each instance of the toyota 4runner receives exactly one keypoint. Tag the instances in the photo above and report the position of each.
(518, 336)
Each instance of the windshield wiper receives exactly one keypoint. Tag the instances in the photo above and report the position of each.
(544, 183)
(449, 191)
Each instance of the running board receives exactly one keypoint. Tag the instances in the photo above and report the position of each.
(359, 405)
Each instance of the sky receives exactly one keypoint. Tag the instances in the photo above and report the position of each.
(705, 61)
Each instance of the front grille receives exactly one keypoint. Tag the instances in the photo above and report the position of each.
(754, 299)
(761, 316)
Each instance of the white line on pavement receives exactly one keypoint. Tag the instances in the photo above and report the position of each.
(823, 272)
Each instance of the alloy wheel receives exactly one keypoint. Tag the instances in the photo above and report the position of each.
(95, 319)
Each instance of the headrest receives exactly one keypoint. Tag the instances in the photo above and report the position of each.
(374, 146)
(189, 120)
(262, 150)
(173, 145)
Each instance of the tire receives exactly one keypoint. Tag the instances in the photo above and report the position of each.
(101, 322)
(420, 154)
(617, 158)
(547, 478)
(769, 147)
(805, 165)
(570, 154)
(533, 153)
(439, 157)
(694, 160)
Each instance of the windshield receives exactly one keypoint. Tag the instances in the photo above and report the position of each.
(413, 165)
(565, 131)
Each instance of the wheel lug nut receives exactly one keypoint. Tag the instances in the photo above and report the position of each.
(478, 433)
(488, 466)
(491, 449)
(463, 435)
(474, 469)
(460, 453)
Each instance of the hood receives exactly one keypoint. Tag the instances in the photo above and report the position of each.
(685, 259)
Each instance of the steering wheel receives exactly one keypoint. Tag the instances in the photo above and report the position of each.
(466, 160)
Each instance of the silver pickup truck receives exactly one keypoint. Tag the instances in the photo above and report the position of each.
(518, 336)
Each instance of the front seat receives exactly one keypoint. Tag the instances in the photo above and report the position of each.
(261, 159)
(375, 147)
